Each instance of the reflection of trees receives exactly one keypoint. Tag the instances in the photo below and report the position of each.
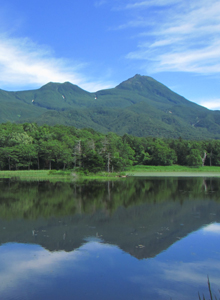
(34, 199)
(141, 216)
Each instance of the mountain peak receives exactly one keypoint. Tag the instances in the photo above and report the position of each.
(50, 86)
(138, 82)
(61, 87)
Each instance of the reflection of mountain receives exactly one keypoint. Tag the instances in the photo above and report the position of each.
(165, 212)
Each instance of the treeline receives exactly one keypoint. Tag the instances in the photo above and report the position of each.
(29, 146)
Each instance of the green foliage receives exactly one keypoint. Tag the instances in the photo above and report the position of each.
(162, 154)
(194, 158)
(29, 146)
(93, 162)
(210, 293)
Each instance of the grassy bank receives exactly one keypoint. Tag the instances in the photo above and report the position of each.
(29, 175)
(69, 175)
(174, 170)
(54, 175)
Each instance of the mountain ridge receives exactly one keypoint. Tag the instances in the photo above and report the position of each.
(139, 106)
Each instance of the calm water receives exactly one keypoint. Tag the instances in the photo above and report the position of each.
(133, 239)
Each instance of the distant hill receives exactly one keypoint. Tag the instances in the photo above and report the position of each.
(140, 106)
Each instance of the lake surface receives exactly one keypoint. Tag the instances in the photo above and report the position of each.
(138, 238)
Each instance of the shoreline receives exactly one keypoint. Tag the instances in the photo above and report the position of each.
(174, 174)
(164, 172)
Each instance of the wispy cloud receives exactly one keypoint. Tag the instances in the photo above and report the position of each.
(179, 36)
(141, 4)
(100, 3)
(23, 63)
(213, 104)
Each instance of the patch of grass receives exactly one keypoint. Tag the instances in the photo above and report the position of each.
(58, 175)
(60, 172)
(29, 175)
(210, 293)
(174, 170)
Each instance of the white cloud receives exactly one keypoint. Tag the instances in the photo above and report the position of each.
(135, 4)
(24, 63)
(141, 4)
(100, 3)
(179, 36)
(213, 104)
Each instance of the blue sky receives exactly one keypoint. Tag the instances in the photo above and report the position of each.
(97, 44)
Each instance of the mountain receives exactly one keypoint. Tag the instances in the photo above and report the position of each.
(140, 106)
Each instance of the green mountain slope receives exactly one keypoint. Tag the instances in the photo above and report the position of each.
(139, 106)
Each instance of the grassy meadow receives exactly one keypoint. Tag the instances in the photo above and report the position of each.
(53, 175)
(29, 175)
(161, 171)
(174, 170)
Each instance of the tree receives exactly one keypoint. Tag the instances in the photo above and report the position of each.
(162, 154)
(194, 158)
(93, 162)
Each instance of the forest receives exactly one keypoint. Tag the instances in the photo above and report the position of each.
(30, 146)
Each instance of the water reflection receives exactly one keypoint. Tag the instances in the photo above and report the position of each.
(132, 239)
(32, 200)
(103, 271)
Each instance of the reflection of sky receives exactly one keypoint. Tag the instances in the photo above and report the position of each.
(102, 271)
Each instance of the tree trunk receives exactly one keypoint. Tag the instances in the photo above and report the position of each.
(79, 147)
(9, 165)
(108, 163)
(203, 159)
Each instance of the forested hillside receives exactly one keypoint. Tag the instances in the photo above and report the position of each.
(29, 146)
(140, 106)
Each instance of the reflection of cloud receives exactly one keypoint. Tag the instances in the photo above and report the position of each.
(214, 228)
(189, 273)
(93, 239)
(172, 278)
(18, 262)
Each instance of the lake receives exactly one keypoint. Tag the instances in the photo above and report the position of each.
(137, 238)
